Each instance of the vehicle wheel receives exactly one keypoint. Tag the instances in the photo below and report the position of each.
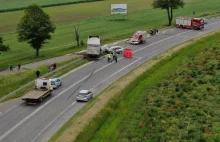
(41, 99)
(181, 26)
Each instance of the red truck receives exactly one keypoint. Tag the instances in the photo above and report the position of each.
(189, 23)
(138, 37)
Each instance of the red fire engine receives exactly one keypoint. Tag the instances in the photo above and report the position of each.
(195, 23)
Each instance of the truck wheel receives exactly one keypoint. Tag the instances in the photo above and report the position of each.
(181, 26)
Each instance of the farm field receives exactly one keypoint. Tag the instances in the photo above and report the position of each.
(63, 39)
(72, 13)
(12, 4)
(175, 101)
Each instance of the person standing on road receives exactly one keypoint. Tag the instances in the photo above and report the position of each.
(108, 56)
(116, 58)
(38, 73)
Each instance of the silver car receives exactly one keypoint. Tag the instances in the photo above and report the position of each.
(84, 95)
(117, 49)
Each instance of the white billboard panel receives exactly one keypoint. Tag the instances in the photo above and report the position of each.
(119, 9)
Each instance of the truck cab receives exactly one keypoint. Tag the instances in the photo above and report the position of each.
(197, 23)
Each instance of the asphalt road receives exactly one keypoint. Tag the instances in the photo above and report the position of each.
(37, 123)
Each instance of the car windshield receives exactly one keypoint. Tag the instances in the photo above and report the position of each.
(83, 94)
(134, 36)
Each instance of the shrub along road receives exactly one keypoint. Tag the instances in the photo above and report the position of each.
(42, 121)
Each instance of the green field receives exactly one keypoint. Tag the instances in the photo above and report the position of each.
(12, 4)
(72, 13)
(117, 30)
(177, 100)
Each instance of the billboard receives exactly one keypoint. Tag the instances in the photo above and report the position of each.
(119, 9)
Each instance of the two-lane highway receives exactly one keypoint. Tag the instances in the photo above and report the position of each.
(38, 123)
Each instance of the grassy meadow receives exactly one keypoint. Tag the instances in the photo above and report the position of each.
(119, 27)
(177, 100)
(14, 4)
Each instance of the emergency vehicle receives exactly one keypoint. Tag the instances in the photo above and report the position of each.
(189, 23)
(138, 37)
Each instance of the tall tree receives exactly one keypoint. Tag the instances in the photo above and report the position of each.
(76, 33)
(35, 27)
(169, 5)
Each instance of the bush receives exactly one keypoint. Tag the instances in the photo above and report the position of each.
(4, 47)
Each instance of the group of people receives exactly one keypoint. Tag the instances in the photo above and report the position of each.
(112, 56)
(11, 67)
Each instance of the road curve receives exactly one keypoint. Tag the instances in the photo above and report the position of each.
(22, 123)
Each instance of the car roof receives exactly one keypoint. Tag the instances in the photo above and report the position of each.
(54, 79)
(116, 47)
(84, 91)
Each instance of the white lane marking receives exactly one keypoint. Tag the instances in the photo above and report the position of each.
(53, 121)
(116, 43)
(30, 115)
(76, 69)
(1, 114)
(26, 118)
(160, 41)
(164, 31)
(115, 73)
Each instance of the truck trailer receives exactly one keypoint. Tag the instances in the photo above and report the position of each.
(189, 23)
(43, 88)
(94, 46)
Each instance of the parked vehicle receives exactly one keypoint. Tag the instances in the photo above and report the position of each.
(56, 82)
(84, 95)
(195, 23)
(94, 46)
(42, 89)
(138, 37)
(117, 49)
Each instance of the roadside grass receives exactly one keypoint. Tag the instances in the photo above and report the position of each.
(63, 38)
(151, 109)
(94, 125)
(14, 81)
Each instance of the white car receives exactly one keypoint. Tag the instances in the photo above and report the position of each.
(117, 49)
(56, 82)
(84, 95)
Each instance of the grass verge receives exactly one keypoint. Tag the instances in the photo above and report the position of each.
(92, 119)
(14, 81)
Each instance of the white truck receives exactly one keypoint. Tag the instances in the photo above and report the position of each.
(94, 46)
(43, 88)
